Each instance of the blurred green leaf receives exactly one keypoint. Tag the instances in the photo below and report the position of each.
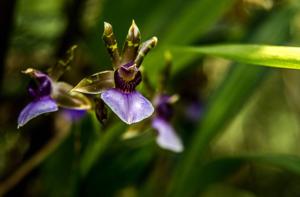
(195, 19)
(219, 169)
(98, 146)
(264, 55)
(287, 162)
(61, 168)
(120, 166)
(226, 102)
(192, 21)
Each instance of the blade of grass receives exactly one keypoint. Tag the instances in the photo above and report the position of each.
(263, 55)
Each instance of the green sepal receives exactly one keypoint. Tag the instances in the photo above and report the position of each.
(132, 44)
(67, 99)
(144, 49)
(111, 44)
(56, 71)
(96, 83)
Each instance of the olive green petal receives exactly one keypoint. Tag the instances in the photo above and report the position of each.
(57, 70)
(132, 44)
(111, 44)
(96, 83)
(72, 100)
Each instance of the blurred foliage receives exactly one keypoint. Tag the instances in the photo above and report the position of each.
(239, 123)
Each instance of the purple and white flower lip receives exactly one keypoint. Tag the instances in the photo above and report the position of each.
(167, 137)
(130, 107)
(117, 87)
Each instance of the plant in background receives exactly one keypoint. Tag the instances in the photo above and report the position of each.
(206, 164)
(48, 94)
(117, 87)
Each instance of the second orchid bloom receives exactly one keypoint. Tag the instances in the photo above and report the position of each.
(117, 86)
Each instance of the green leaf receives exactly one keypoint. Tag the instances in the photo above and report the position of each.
(96, 83)
(264, 55)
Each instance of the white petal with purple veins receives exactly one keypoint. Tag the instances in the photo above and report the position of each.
(36, 108)
(167, 138)
(130, 107)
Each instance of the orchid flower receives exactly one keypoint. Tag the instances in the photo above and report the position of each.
(48, 94)
(161, 122)
(167, 137)
(117, 87)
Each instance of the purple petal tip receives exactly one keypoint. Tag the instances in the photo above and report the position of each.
(167, 138)
(130, 107)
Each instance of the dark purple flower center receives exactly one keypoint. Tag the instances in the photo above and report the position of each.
(164, 109)
(127, 77)
(39, 87)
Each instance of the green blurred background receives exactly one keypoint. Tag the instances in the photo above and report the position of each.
(244, 140)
